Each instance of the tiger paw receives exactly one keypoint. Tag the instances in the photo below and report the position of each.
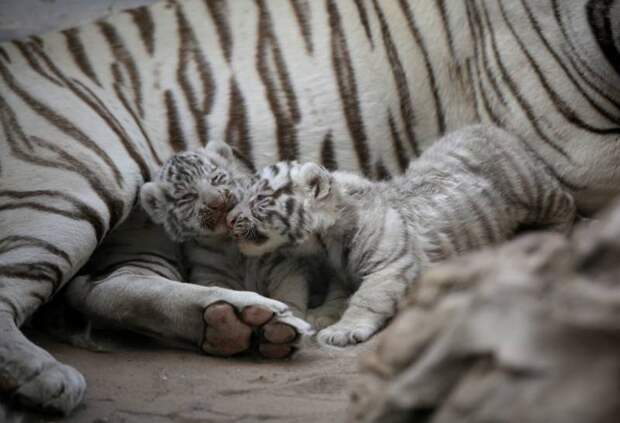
(341, 336)
(56, 388)
(229, 332)
(31, 377)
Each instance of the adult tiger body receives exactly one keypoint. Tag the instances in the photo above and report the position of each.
(88, 114)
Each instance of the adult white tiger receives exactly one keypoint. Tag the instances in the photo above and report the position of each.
(88, 114)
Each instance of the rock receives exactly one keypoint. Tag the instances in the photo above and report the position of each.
(528, 332)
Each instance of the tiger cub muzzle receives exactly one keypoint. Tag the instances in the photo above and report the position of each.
(216, 209)
(242, 228)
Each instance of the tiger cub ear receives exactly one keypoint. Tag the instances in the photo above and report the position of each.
(316, 180)
(153, 201)
(220, 148)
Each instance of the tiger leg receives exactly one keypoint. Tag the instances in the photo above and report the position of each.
(218, 321)
(31, 376)
(35, 260)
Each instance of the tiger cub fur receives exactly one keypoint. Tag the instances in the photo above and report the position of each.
(472, 188)
(191, 197)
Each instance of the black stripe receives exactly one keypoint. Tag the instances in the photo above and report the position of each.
(29, 205)
(78, 53)
(238, 128)
(5, 55)
(90, 98)
(480, 52)
(15, 242)
(407, 113)
(123, 56)
(96, 105)
(42, 271)
(146, 27)
(303, 16)
(275, 77)
(510, 83)
(474, 84)
(66, 162)
(190, 50)
(415, 32)
(61, 123)
(25, 50)
(383, 174)
(363, 15)
(87, 212)
(562, 66)
(399, 150)
(347, 88)
(175, 133)
(569, 114)
(328, 156)
(117, 86)
(583, 62)
(219, 12)
(443, 13)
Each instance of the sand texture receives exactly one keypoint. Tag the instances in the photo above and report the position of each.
(156, 385)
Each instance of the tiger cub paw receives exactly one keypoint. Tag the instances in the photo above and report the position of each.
(342, 336)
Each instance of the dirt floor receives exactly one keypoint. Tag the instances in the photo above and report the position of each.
(155, 385)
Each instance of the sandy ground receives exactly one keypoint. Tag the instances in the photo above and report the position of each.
(155, 385)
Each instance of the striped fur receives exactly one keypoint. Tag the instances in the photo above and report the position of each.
(190, 198)
(473, 188)
(89, 114)
(194, 190)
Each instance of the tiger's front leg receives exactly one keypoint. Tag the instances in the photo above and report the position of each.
(216, 320)
(136, 283)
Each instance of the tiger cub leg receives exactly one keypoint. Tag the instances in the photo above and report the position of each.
(373, 304)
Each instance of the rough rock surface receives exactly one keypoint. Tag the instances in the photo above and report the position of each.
(529, 332)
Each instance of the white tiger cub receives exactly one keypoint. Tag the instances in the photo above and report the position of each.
(473, 188)
(191, 196)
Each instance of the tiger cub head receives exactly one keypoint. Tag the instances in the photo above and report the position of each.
(286, 205)
(194, 190)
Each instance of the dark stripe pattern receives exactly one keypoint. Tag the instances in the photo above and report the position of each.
(278, 85)
(347, 88)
